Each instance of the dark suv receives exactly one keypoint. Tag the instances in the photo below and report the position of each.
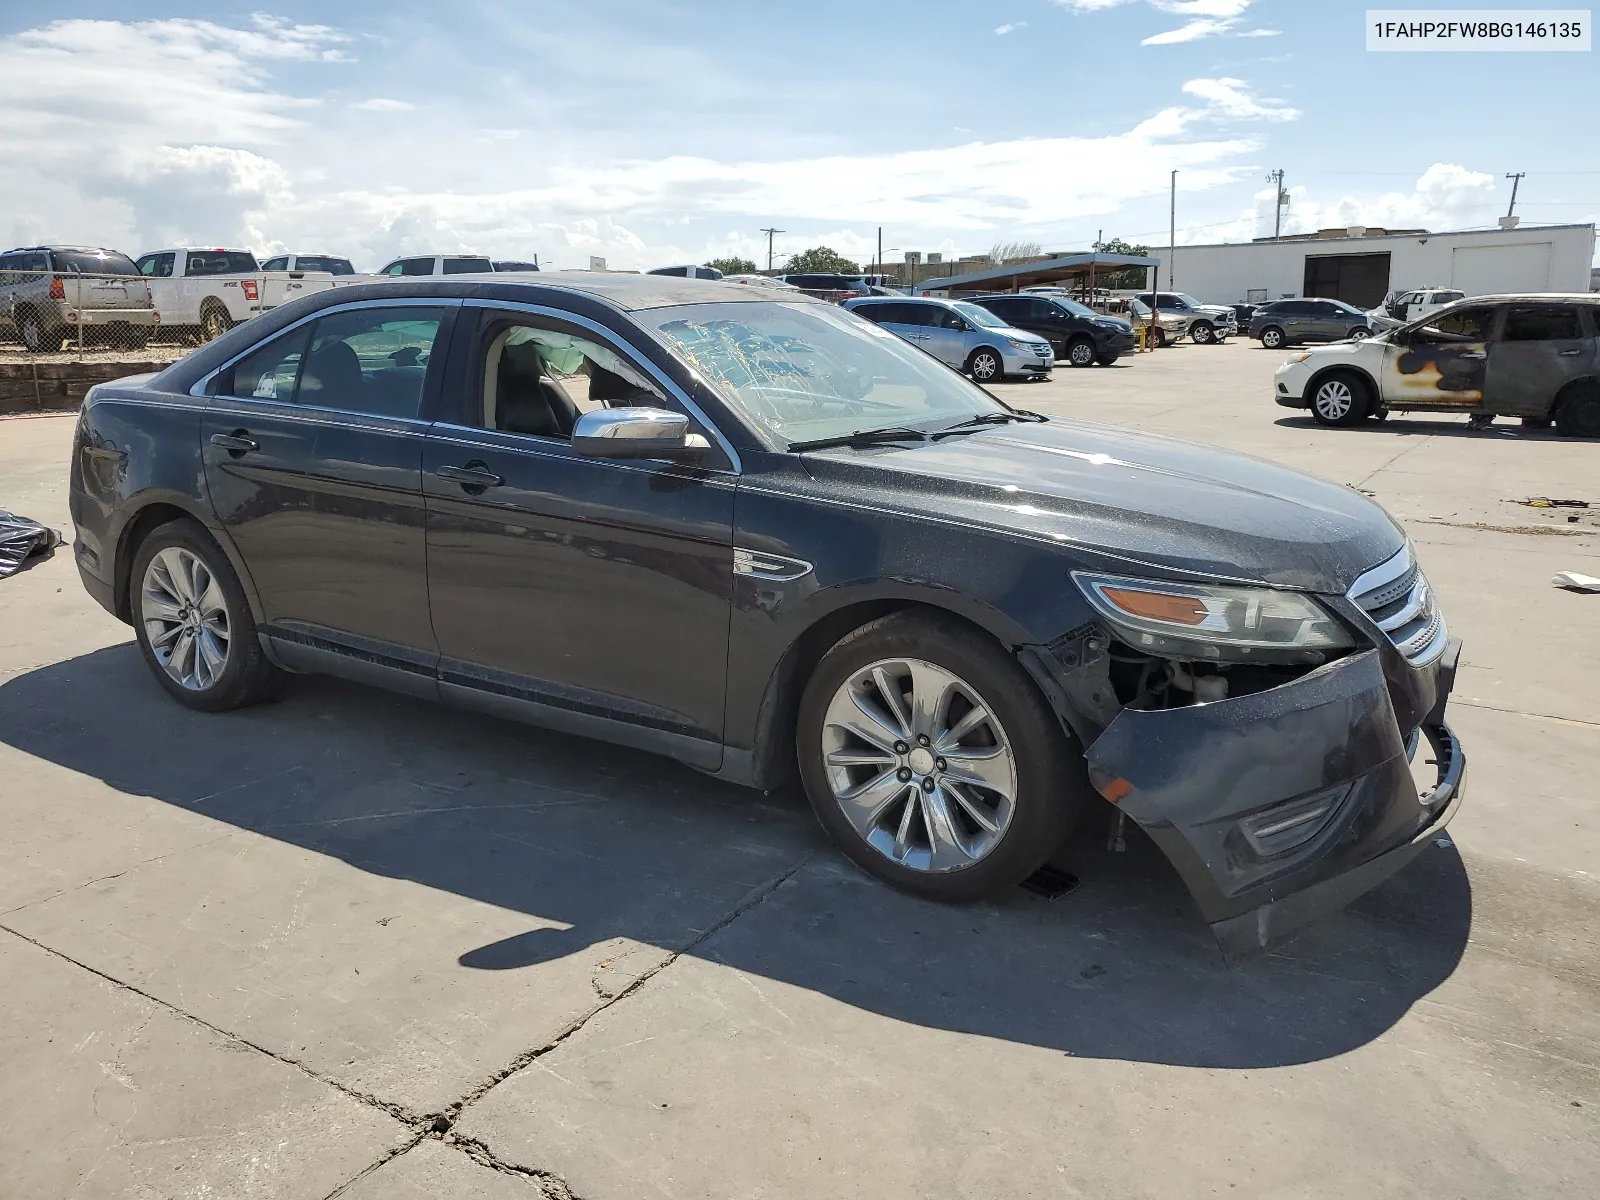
(772, 540)
(1286, 322)
(1076, 333)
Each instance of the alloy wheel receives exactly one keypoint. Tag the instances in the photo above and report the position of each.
(984, 365)
(1334, 400)
(919, 765)
(185, 617)
(1082, 354)
(1202, 333)
(1271, 339)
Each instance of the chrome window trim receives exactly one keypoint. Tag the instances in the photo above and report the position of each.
(640, 360)
(1425, 645)
(1385, 572)
(204, 382)
(561, 450)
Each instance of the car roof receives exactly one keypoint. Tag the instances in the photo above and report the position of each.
(628, 292)
(941, 300)
(73, 249)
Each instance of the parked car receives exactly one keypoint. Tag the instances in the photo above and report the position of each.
(761, 281)
(330, 264)
(51, 293)
(1242, 314)
(1170, 326)
(514, 264)
(1077, 335)
(765, 538)
(828, 284)
(1529, 356)
(1399, 307)
(688, 271)
(965, 336)
(439, 264)
(1288, 322)
(209, 291)
(1206, 323)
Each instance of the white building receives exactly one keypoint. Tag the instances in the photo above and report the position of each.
(1361, 267)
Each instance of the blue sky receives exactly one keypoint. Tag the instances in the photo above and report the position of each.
(659, 132)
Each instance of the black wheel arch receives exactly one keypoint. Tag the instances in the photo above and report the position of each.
(1589, 385)
(154, 512)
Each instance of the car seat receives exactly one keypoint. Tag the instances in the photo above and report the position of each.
(527, 400)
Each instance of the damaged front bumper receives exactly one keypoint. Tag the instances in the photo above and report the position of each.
(1283, 805)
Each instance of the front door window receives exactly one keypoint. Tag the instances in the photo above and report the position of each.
(1440, 362)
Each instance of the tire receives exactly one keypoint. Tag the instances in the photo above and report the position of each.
(1360, 334)
(985, 365)
(1536, 422)
(1105, 360)
(1017, 745)
(1272, 338)
(1341, 398)
(193, 623)
(36, 339)
(1080, 352)
(1578, 414)
(214, 322)
(1162, 340)
(1202, 333)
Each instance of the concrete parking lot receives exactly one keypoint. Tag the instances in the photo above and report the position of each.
(349, 944)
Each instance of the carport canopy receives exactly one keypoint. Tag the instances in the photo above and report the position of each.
(1069, 270)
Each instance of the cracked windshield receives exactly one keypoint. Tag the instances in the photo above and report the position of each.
(805, 372)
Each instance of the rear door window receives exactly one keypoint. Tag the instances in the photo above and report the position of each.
(221, 262)
(275, 264)
(320, 262)
(157, 266)
(414, 266)
(1541, 323)
(467, 266)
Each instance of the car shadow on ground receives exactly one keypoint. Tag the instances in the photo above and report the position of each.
(1401, 423)
(608, 843)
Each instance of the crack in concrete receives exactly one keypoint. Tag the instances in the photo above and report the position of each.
(550, 1184)
(1420, 442)
(1517, 712)
(398, 1111)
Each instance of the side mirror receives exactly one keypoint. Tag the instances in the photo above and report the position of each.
(634, 433)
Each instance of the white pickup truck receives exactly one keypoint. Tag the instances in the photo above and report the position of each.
(212, 290)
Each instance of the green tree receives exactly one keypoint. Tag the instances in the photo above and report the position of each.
(733, 265)
(1133, 277)
(821, 260)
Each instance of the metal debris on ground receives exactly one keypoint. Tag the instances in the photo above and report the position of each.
(1546, 502)
(1052, 883)
(21, 539)
(1575, 582)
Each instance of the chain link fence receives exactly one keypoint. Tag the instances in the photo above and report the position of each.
(71, 316)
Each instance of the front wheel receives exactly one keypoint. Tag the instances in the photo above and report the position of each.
(214, 322)
(1340, 399)
(1272, 337)
(1360, 334)
(1579, 414)
(193, 622)
(35, 338)
(933, 762)
(1202, 334)
(984, 365)
(1080, 352)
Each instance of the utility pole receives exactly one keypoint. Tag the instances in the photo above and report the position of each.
(1172, 230)
(771, 233)
(1515, 180)
(880, 251)
(1278, 200)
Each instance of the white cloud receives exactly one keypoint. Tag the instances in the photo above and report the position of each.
(1011, 27)
(383, 104)
(145, 133)
(1255, 33)
(1207, 18)
(1233, 98)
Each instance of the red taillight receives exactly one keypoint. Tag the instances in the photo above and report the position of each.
(58, 290)
(250, 290)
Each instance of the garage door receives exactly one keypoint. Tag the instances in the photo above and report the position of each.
(1485, 270)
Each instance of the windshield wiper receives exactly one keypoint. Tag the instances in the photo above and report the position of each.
(988, 418)
(862, 437)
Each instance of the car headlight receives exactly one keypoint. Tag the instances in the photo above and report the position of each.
(1016, 345)
(1213, 621)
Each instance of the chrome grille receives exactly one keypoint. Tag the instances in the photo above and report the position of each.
(1397, 597)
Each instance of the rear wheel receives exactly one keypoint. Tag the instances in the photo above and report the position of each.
(37, 340)
(984, 365)
(1340, 399)
(1080, 352)
(214, 322)
(193, 622)
(1202, 333)
(1272, 337)
(933, 762)
(1578, 414)
(1359, 334)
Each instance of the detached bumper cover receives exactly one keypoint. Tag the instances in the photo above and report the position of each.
(1281, 806)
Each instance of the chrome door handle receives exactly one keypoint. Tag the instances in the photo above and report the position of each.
(475, 476)
(235, 443)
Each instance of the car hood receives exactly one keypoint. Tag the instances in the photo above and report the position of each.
(1151, 502)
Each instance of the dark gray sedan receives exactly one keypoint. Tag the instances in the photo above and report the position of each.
(1288, 322)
